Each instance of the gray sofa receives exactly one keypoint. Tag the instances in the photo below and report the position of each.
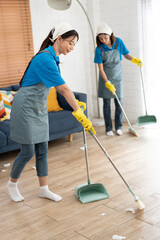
(61, 123)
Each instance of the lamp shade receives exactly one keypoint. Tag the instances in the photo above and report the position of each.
(59, 4)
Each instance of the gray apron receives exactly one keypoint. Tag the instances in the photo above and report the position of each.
(29, 115)
(113, 69)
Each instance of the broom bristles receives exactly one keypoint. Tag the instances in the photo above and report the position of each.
(140, 204)
(131, 130)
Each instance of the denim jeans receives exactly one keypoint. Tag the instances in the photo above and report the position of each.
(26, 153)
(107, 114)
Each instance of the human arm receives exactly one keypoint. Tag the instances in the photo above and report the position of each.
(128, 57)
(134, 60)
(125, 52)
(67, 93)
(104, 77)
(99, 61)
(102, 72)
(70, 98)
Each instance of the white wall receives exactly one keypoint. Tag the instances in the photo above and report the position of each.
(123, 16)
(77, 67)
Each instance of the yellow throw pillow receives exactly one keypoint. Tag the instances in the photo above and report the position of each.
(52, 102)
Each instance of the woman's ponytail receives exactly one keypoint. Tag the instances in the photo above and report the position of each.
(44, 45)
(46, 42)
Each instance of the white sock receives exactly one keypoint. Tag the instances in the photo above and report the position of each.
(46, 193)
(119, 132)
(14, 192)
(109, 133)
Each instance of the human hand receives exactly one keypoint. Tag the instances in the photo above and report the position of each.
(137, 61)
(86, 123)
(81, 104)
(110, 86)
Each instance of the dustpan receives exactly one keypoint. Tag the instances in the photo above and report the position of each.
(146, 119)
(90, 192)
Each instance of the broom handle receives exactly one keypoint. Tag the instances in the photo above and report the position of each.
(143, 91)
(109, 158)
(86, 153)
(123, 110)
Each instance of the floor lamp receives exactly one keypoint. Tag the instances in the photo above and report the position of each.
(65, 4)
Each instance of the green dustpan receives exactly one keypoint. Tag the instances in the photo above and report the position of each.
(92, 192)
(147, 119)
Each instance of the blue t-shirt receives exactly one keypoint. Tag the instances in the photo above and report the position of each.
(120, 46)
(44, 68)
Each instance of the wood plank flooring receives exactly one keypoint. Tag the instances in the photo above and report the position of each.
(137, 158)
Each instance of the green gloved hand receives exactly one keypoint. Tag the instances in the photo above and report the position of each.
(86, 123)
(110, 86)
(137, 61)
(81, 104)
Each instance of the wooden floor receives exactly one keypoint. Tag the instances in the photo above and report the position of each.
(138, 159)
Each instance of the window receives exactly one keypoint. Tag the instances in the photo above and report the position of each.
(16, 44)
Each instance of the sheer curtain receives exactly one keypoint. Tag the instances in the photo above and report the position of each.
(150, 10)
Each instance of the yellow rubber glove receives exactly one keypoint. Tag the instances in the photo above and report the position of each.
(110, 86)
(137, 61)
(81, 104)
(86, 123)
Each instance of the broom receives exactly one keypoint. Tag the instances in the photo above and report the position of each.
(140, 204)
(131, 130)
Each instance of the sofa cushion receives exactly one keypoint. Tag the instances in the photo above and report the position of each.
(15, 87)
(5, 127)
(3, 139)
(52, 102)
(62, 121)
(63, 103)
(6, 89)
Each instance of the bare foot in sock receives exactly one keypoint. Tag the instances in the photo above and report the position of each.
(46, 193)
(14, 192)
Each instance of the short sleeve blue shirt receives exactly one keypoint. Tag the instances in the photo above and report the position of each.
(120, 46)
(44, 68)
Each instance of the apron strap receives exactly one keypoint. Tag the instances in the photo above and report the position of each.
(29, 65)
(44, 51)
(101, 49)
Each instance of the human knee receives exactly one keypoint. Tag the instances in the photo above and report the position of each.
(27, 154)
(41, 150)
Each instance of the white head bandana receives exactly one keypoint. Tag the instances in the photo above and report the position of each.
(60, 29)
(104, 28)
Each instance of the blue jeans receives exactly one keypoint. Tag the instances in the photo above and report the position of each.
(107, 114)
(26, 153)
